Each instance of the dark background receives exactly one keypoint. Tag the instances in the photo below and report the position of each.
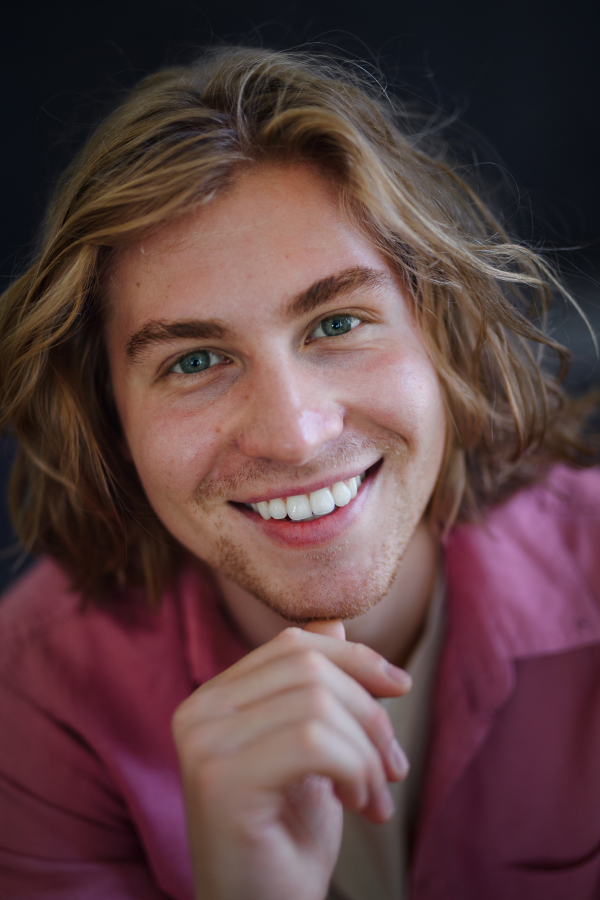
(524, 78)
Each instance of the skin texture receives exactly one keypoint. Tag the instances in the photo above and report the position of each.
(282, 413)
(270, 749)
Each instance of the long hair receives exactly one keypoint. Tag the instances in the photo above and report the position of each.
(177, 140)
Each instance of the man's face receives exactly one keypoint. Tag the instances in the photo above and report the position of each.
(262, 349)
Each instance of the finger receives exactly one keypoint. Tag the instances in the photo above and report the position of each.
(287, 678)
(275, 761)
(318, 674)
(228, 735)
(329, 627)
(380, 678)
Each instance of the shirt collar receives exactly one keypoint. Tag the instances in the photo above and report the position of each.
(525, 584)
(211, 642)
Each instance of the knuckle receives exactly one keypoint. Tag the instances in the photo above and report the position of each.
(378, 718)
(320, 702)
(312, 664)
(197, 746)
(189, 713)
(311, 736)
(363, 655)
(367, 766)
(361, 767)
(373, 760)
(182, 719)
(292, 637)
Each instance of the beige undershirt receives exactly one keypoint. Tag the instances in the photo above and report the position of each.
(374, 859)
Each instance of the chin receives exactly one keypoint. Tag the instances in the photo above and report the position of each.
(332, 583)
(329, 595)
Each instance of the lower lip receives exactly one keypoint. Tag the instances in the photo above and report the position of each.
(317, 531)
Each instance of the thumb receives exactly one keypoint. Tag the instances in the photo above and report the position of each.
(329, 627)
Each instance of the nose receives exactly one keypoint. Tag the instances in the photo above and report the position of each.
(287, 416)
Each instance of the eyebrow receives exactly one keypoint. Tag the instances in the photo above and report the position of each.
(318, 294)
(156, 332)
(333, 286)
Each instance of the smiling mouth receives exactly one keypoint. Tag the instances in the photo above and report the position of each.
(307, 507)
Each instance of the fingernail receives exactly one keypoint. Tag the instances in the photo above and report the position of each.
(398, 676)
(387, 804)
(398, 759)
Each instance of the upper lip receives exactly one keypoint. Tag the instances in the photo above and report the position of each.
(293, 490)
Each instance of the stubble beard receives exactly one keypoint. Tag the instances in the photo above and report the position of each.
(324, 594)
(321, 596)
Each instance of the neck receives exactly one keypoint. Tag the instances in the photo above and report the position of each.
(392, 627)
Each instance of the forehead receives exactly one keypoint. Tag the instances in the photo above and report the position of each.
(269, 236)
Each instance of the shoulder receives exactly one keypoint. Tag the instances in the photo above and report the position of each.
(56, 650)
(55, 646)
(86, 699)
(562, 508)
(563, 492)
(531, 570)
(42, 606)
(85, 691)
(38, 599)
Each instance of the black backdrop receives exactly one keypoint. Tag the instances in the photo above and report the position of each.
(524, 77)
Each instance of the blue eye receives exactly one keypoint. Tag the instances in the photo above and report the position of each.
(197, 361)
(334, 325)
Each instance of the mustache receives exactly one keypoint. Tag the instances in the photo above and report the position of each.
(253, 474)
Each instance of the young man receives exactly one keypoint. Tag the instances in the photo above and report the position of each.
(271, 368)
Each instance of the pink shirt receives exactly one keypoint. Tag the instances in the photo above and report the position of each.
(90, 799)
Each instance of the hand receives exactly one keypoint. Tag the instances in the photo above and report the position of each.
(269, 752)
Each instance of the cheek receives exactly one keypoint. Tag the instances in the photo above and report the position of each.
(402, 393)
(172, 453)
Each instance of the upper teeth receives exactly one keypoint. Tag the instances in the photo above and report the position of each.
(317, 503)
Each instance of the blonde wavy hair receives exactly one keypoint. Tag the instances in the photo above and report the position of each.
(176, 141)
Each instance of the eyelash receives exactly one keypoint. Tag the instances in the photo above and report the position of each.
(217, 358)
(354, 320)
(214, 359)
